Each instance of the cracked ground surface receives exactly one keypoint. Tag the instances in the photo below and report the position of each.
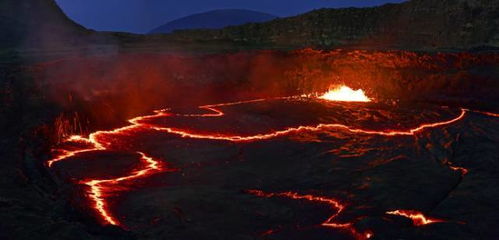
(448, 173)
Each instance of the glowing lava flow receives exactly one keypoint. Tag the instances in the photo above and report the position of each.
(345, 94)
(490, 114)
(65, 154)
(98, 142)
(96, 138)
(418, 219)
(99, 188)
(319, 127)
(218, 113)
(463, 171)
(348, 227)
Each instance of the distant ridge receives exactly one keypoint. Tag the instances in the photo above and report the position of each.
(425, 25)
(214, 20)
(415, 24)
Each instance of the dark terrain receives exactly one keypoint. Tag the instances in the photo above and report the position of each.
(202, 192)
(422, 61)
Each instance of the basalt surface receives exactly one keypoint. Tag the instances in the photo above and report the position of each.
(293, 168)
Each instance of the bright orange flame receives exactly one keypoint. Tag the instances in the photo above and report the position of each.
(348, 227)
(418, 219)
(345, 94)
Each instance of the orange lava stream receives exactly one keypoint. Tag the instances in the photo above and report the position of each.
(347, 227)
(463, 171)
(489, 114)
(99, 188)
(218, 113)
(96, 140)
(98, 143)
(418, 219)
(319, 127)
(67, 154)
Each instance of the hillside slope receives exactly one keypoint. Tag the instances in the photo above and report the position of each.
(417, 24)
(35, 23)
(426, 25)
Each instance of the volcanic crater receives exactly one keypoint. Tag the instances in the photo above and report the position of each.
(286, 168)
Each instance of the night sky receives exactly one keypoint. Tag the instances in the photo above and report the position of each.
(143, 15)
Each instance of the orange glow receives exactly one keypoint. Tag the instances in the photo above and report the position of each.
(319, 127)
(418, 219)
(463, 171)
(98, 142)
(490, 114)
(64, 154)
(345, 94)
(348, 227)
(99, 188)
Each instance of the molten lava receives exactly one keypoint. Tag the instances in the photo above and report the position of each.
(345, 94)
(418, 219)
(490, 114)
(347, 227)
(99, 189)
(463, 171)
(316, 128)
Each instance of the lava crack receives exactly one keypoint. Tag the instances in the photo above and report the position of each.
(97, 142)
(319, 127)
(99, 189)
(346, 227)
(418, 218)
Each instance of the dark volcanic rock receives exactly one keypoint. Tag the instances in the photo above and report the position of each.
(207, 197)
(417, 24)
(31, 202)
(36, 23)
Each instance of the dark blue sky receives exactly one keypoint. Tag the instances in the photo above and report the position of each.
(143, 15)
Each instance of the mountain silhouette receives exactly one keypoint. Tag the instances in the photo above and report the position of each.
(214, 19)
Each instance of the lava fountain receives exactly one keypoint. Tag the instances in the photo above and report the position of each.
(345, 94)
